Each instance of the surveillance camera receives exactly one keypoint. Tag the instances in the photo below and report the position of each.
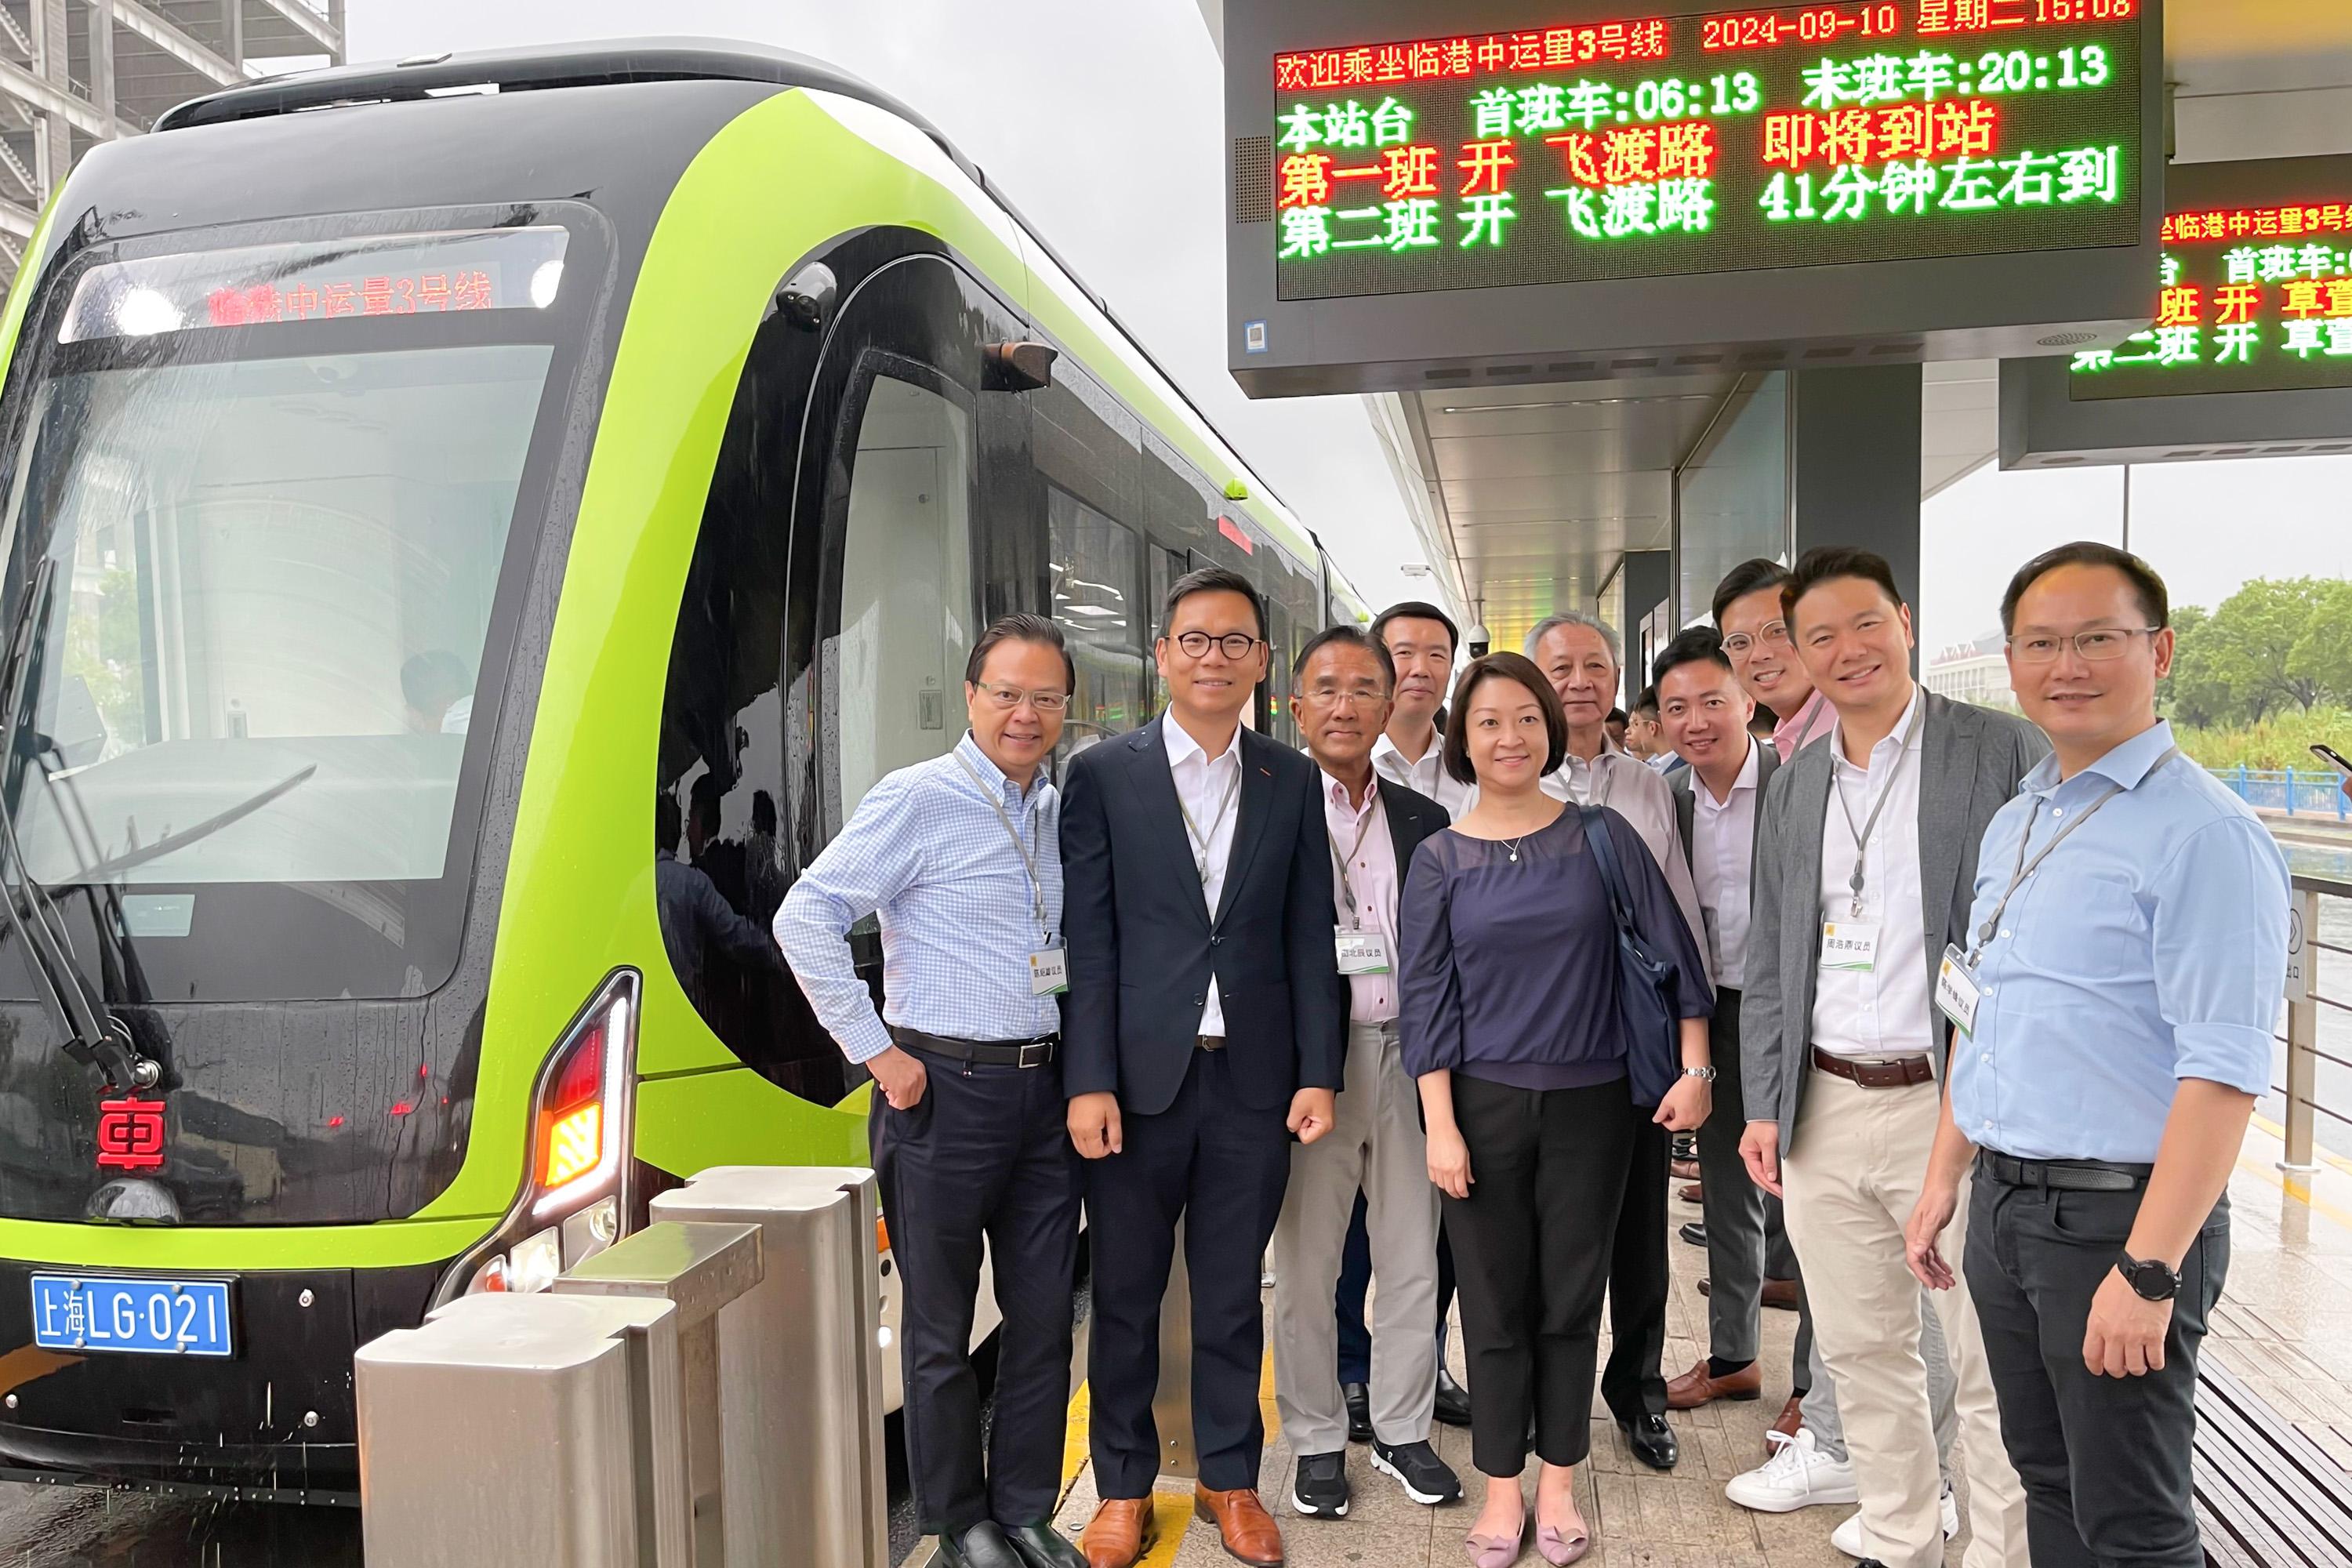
(1480, 641)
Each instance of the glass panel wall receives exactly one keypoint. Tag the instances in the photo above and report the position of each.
(1734, 493)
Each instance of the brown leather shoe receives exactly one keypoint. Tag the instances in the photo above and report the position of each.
(1247, 1530)
(1780, 1294)
(1691, 1194)
(1683, 1170)
(1695, 1387)
(1119, 1532)
(1790, 1418)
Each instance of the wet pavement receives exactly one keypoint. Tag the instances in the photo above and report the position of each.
(61, 1527)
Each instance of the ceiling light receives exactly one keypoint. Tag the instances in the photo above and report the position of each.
(1578, 403)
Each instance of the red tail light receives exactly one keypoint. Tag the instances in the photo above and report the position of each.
(580, 1123)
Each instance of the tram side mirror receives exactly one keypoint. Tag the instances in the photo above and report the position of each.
(1020, 366)
(806, 298)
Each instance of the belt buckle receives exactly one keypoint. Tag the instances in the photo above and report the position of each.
(1044, 1050)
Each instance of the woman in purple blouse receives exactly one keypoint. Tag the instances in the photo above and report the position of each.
(1510, 1022)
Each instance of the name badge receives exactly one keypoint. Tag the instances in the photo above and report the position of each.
(1049, 971)
(1362, 951)
(1955, 991)
(1849, 946)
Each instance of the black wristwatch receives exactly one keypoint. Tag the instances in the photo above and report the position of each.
(2148, 1276)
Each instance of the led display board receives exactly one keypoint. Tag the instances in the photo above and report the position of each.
(1861, 132)
(1535, 150)
(2248, 347)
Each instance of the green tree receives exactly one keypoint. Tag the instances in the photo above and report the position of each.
(2257, 634)
(2194, 694)
(2323, 654)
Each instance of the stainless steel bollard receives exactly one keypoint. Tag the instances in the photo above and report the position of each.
(699, 1269)
(525, 1430)
(798, 1360)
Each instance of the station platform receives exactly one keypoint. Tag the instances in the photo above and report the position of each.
(2283, 1329)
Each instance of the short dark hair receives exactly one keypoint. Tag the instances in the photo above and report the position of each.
(1699, 645)
(1020, 628)
(2155, 603)
(1516, 667)
(1747, 578)
(1348, 637)
(1617, 716)
(669, 822)
(1415, 610)
(1212, 580)
(1646, 699)
(1826, 564)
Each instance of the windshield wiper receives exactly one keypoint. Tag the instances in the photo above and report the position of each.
(94, 1036)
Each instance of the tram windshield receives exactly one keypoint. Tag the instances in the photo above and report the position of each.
(274, 542)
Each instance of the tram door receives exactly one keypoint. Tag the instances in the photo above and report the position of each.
(911, 442)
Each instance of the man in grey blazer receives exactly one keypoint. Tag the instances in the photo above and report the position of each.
(1866, 863)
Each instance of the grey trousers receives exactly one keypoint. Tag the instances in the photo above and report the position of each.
(1731, 1203)
(1376, 1143)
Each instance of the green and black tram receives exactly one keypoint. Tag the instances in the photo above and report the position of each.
(435, 494)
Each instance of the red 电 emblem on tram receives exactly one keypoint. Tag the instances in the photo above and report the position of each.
(129, 1134)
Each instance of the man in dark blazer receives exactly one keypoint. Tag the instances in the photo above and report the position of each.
(1340, 691)
(1203, 1029)
(1866, 867)
(1702, 714)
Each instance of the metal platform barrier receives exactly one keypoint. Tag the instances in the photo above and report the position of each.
(705, 1392)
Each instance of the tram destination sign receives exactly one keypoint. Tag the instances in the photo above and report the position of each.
(2247, 350)
(1420, 151)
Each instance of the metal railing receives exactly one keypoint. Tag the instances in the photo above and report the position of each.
(2317, 878)
(2298, 792)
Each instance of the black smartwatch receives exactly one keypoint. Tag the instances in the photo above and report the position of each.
(2148, 1276)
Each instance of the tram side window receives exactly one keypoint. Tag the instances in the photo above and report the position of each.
(906, 587)
(1097, 571)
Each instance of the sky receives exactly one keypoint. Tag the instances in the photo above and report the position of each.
(1126, 182)
(2205, 527)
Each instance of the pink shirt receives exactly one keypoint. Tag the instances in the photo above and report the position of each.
(1362, 835)
(1790, 735)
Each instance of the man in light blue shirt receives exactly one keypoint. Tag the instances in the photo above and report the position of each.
(960, 857)
(2112, 1010)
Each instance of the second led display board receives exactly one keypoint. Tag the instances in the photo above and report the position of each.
(1423, 191)
(1726, 142)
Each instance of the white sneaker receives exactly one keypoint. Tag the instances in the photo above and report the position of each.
(1847, 1537)
(1799, 1476)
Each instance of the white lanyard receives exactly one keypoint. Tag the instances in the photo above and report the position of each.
(2026, 868)
(1201, 841)
(1339, 864)
(1028, 862)
(1862, 835)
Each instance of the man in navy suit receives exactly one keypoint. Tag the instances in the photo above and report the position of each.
(1202, 1029)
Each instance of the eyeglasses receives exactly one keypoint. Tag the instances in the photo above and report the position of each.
(2097, 647)
(1777, 633)
(1237, 645)
(1008, 698)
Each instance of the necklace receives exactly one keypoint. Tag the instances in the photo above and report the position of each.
(1515, 844)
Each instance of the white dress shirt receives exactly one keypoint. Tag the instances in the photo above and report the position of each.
(1204, 784)
(1621, 781)
(1887, 1010)
(1373, 876)
(1427, 776)
(1723, 860)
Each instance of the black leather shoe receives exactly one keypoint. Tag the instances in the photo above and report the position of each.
(1695, 1233)
(982, 1545)
(1453, 1406)
(1041, 1545)
(1653, 1441)
(1359, 1411)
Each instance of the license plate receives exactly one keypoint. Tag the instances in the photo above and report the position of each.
(145, 1317)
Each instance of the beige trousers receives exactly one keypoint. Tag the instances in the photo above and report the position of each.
(1859, 1160)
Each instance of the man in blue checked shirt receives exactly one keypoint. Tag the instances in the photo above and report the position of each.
(2113, 1013)
(960, 857)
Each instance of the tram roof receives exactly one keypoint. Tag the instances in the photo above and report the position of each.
(609, 62)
